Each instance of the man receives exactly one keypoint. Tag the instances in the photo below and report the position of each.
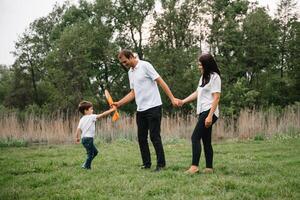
(143, 84)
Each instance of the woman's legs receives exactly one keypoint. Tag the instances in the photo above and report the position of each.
(206, 139)
(201, 132)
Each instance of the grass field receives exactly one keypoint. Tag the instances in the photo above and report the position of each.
(267, 169)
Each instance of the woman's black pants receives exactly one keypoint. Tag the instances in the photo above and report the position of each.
(204, 134)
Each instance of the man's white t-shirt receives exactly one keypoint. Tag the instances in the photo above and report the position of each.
(87, 125)
(142, 80)
(205, 97)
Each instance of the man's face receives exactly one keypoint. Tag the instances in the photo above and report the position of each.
(127, 62)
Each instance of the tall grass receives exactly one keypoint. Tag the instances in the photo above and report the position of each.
(60, 129)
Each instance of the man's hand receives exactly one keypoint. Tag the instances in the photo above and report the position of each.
(180, 102)
(77, 141)
(174, 102)
(115, 104)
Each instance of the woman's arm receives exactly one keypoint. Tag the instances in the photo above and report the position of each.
(208, 120)
(190, 98)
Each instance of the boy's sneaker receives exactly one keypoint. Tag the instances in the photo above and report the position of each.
(84, 167)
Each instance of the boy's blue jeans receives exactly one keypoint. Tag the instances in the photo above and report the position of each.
(91, 151)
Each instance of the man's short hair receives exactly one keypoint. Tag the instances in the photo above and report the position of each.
(84, 105)
(127, 53)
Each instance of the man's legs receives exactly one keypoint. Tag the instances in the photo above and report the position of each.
(154, 121)
(142, 125)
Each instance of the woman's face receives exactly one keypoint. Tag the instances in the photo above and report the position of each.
(200, 67)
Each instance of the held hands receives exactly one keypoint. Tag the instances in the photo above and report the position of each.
(177, 102)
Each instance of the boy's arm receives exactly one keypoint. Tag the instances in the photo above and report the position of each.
(78, 132)
(106, 112)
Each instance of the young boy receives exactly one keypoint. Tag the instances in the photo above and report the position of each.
(87, 127)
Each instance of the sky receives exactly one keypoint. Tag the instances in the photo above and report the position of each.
(16, 15)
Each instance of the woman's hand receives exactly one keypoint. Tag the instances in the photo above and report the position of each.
(180, 102)
(208, 121)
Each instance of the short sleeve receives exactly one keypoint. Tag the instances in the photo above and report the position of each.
(200, 82)
(130, 80)
(216, 84)
(151, 72)
(94, 117)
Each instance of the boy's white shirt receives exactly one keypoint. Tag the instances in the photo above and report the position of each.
(87, 125)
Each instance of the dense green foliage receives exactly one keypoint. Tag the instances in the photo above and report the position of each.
(71, 54)
(261, 169)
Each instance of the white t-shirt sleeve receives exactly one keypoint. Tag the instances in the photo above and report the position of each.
(200, 82)
(130, 80)
(151, 72)
(216, 83)
(86, 121)
(94, 117)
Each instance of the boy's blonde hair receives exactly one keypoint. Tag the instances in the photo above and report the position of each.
(84, 105)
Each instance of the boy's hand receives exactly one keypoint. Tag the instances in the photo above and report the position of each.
(113, 108)
(77, 140)
(116, 104)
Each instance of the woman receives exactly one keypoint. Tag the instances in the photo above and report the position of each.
(208, 96)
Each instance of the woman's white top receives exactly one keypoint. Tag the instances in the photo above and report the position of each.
(205, 94)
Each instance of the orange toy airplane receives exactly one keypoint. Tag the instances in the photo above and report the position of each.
(110, 101)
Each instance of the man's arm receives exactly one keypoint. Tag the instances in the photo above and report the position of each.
(167, 90)
(129, 97)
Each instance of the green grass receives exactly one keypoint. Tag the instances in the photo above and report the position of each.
(263, 169)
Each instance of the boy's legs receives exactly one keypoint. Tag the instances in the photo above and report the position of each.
(91, 151)
(154, 121)
(142, 125)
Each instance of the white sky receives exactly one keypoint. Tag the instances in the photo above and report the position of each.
(16, 15)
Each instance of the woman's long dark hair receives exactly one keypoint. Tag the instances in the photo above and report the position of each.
(209, 66)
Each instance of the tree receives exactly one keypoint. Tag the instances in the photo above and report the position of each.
(174, 50)
(129, 17)
(285, 16)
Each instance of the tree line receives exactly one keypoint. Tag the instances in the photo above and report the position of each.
(71, 54)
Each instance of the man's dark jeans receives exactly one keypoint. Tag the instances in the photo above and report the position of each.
(149, 121)
(91, 151)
